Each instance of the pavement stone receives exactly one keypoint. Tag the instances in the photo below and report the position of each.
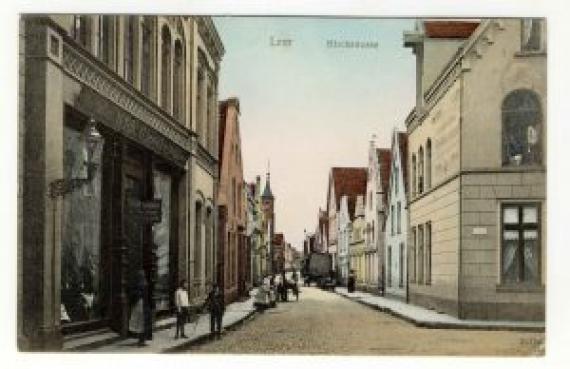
(163, 335)
(423, 317)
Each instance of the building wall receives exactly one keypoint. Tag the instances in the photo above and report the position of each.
(393, 238)
(486, 184)
(344, 238)
(374, 249)
(439, 204)
(232, 195)
(73, 74)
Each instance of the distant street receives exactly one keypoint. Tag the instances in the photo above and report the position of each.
(325, 323)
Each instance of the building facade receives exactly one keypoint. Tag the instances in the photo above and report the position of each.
(357, 243)
(206, 51)
(342, 181)
(374, 214)
(107, 139)
(477, 161)
(396, 234)
(345, 218)
(231, 197)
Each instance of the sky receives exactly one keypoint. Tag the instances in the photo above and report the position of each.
(307, 107)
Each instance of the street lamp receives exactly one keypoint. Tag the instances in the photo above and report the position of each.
(93, 143)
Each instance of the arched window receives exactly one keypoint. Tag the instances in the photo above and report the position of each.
(209, 246)
(80, 31)
(146, 57)
(522, 120)
(178, 90)
(414, 189)
(198, 241)
(104, 35)
(421, 170)
(166, 73)
(428, 164)
(129, 49)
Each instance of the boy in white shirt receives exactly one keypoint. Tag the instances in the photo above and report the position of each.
(181, 301)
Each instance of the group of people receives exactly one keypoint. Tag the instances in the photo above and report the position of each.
(282, 285)
(140, 322)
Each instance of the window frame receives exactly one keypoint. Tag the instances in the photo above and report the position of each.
(542, 39)
(539, 124)
(520, 227)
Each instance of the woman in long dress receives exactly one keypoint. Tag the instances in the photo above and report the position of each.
(137, 319)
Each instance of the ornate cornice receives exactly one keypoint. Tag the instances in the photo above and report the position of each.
(472, 50)
(135, 116)
(211, 38)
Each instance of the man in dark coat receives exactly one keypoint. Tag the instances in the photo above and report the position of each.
(216, 307)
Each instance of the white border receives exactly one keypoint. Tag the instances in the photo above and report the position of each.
(558, 319)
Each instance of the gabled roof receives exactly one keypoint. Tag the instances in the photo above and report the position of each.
(348, 181)
(449, 29)
(385, 164)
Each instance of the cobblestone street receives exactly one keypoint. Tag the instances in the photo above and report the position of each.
(325, 323)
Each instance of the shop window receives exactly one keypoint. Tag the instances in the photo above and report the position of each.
(522, 121)
(532, 37)
(81, 242)
(520, 245)
(161, 240)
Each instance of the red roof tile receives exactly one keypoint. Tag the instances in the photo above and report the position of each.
(350, 182)
(449, 29)
(278, 239)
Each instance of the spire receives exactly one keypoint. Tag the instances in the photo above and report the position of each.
(267, 191)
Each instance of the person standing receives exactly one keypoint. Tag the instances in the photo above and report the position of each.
(215, 305)
(182, 305)
(351, 281)
(139, 309)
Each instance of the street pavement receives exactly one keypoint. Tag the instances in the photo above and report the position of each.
(326, 323)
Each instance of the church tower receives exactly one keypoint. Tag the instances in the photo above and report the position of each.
(267, 207)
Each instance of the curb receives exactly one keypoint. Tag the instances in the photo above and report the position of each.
(442, 325)
(206, 337)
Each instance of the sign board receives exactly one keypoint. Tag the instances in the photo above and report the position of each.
(147, 211)
(479, 231)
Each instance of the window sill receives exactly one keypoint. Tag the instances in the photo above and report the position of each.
(520, 288)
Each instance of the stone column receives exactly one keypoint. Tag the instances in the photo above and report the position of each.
(40, 252)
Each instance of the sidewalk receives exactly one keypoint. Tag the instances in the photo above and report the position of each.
(427, 318)
(163, 340)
